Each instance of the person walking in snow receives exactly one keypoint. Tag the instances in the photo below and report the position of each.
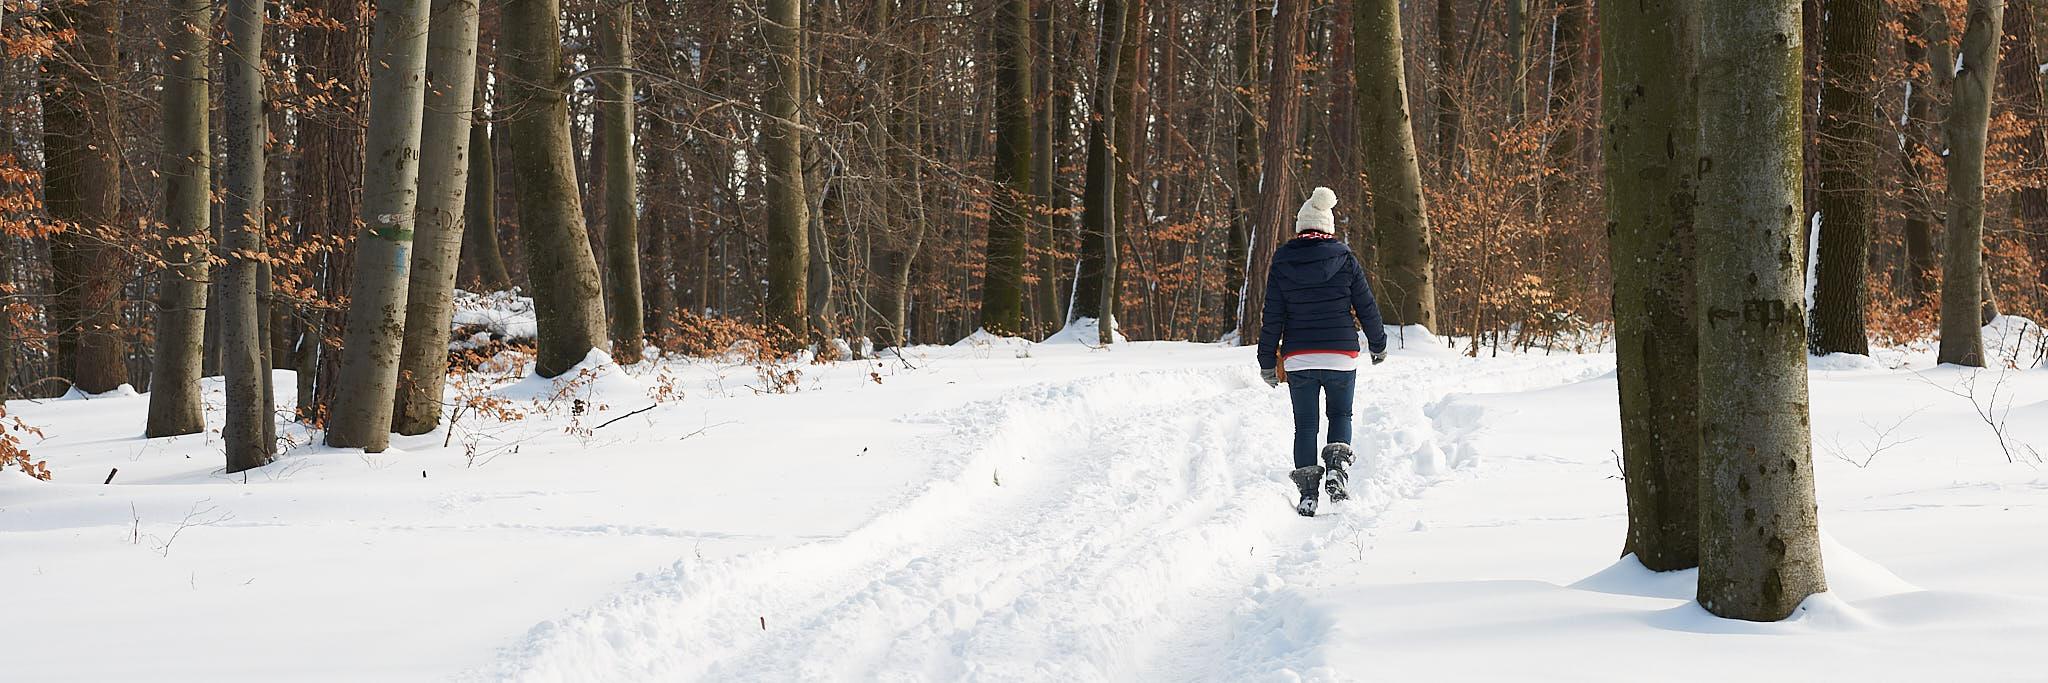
(1314, 292)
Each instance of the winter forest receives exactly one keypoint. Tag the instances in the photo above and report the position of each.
(597, 340)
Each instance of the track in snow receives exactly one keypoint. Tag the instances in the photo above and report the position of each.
(1130, 526)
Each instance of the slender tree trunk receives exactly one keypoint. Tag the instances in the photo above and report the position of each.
(621, 185)
(181, 312)
(1098, 197)
(1969, 114)
(568, 302)
(245, 433)
(1566, 50)
(1759, 529)
(1245, 162)
(1447, 67)
(1009, 225)
(2020, 77)
(1354, 225)
(1926, 42)
(445, 135)
(788, 204)
(82, 192)
(1400, 214)
(391, 173)
(1518, 59)
(1276, 179)
(1651, 129)
(480, 212)
(1847, 148)
(1043, 166)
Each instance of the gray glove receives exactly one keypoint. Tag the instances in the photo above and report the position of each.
(1379, 357)
(1271, 375)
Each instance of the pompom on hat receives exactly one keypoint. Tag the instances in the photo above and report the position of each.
(1315, 213)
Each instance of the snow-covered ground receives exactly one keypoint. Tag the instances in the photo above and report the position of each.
(996, 510)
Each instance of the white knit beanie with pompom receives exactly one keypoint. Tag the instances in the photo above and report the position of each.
(1315, 213)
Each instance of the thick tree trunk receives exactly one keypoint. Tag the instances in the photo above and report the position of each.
(445, 138)
(330, 173)
(568, 302)
(1759, 529)
(245, 433)
(1276, 175)
(187, 162)
(480, 208)
(1969, 114)
(1651, 129)
(621, 185)
(1009, 223)
(1400, 214)
(788, 204)
(1847, 148)
(1098, 197)
(82, 192)
(391, 173)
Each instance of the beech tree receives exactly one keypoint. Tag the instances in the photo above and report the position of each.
(246, 433)
(82, 192)
(1400, 214)
(788, 205)
(174, 406)
(621, 183)
(1759, 527)
(445, 145)
(1966, 128)
(1276, 183)
(1009, 223)
(1846, 145)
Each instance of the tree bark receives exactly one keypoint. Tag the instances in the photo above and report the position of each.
(567, 299)
(621, 185)
(1245, 162)
(444, 167)
(1009, 224)
(82, 193)
(2020, 77)
(174, 406)
(1759, 528)
(330, 173)
(1400, 214)
(480, 202)
(1447, 119)
(1926, 42)
(245, 433)
(1051, 199)
(1847, 149)
(788, 204)
(1276, 175)
(1518, 59)
(1098, 197)
(391, 172)
(1651, 125)
(1968, 119)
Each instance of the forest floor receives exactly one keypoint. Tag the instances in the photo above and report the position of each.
(999, 510)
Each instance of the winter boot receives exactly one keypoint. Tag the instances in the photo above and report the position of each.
(1306, 479)
(1336, 457)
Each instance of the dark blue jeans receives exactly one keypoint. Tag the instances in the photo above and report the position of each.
(1305, 387)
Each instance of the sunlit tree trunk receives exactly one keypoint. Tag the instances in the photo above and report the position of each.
(1276, 183)
(1968, 118)
(1759, 527)
(788, 204)
(480, 213)
(187, 162)
(1400, 214)
(621, 185)
(1009, 223)
(445, 139)
(391, 170)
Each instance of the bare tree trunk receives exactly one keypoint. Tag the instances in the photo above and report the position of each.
(1098, 197)
(1276, 179)
(1759, 529)
(1518, 59)
(1925, 42)
(1969, 114)
(188, 185)
(1043, 166)
(621, 185)
(336, 54)
(2020, 77)
(391, 172)
(788, 204)
(1847, 147)
(567, 299)
(1651, 129)
(82, 192)
(1009, 225)
(480, 213)
(1447, 67)
(1400, 214)
(445, 135)
(1245, 163)
(245, 434)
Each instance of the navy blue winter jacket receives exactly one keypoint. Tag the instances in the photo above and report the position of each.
(1313, 293)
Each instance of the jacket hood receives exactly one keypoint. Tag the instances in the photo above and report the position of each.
(1310, 260)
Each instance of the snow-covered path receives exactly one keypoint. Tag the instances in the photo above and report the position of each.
(1134, 525)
